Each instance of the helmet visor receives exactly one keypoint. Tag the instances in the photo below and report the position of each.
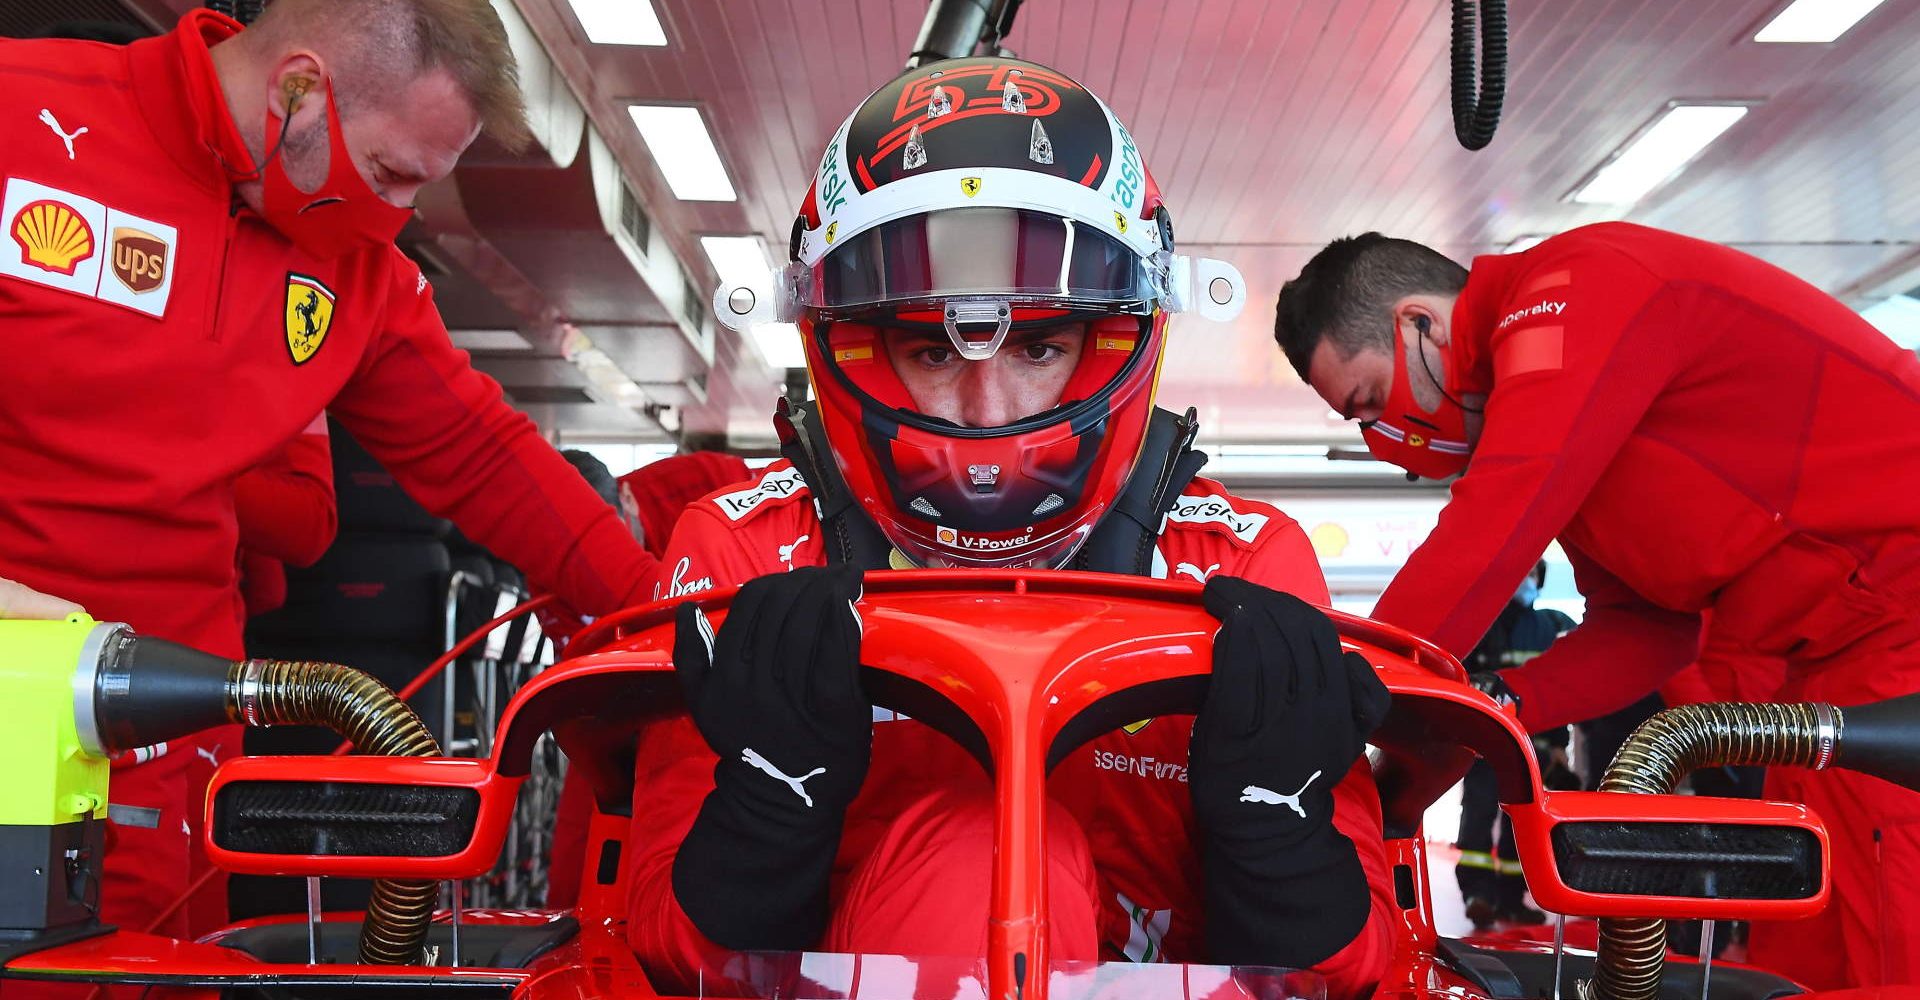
(1004, 253)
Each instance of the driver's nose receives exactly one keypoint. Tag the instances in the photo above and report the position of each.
(987, 396)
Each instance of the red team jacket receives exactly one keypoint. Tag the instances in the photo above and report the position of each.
(1699, 429)
(287, 514)
(1129, 790)
(160, 342)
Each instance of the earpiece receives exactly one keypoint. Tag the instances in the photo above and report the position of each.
(1422, 324)
(295, 88)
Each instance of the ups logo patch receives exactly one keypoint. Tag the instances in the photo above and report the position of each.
(139, 260)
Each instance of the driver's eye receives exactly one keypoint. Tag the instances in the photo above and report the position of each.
(936, 355)
(1041, 352)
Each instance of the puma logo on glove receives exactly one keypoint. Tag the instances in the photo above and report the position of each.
(1265, 796)
(748, 755)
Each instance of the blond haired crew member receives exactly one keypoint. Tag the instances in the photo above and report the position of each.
(199, 259)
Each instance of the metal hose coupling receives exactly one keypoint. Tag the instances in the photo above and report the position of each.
(1662, 751)
(360, 708)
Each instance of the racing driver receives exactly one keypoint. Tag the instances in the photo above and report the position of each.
(197, 258)
(1702, 431)
(982, 272)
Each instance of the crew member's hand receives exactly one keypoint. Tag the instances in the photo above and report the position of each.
(17, 600)
(1491, 684)
(1286, 715)
(776, 693)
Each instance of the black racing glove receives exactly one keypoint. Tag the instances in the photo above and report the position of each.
(777, 695)
(1286, 715)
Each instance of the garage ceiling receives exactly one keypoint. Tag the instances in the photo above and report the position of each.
(1273, 127)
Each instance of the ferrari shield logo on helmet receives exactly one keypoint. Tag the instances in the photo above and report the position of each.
(309, 315)
(833, 229)
(970, 185)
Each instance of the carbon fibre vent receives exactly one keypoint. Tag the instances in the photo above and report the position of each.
(924, 507)
(1053, 501)
(1688, 860)
(343, 819)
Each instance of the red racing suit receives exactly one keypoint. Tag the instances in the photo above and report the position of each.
(162, 340)
(1700, 430)
(1128, 790)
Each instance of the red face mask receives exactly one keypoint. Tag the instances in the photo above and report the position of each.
(342, 215)
(1433, 444)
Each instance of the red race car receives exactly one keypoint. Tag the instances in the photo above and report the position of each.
(1085, 642)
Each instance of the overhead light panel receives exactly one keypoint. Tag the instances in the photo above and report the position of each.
(1816, 20)
(619, 22)
(490, 340)
(1674, 139)
(738, 260)
(677, 137)
(779, 343)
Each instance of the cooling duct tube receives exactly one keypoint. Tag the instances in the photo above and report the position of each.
(139, 691)
(1881, 739)
(954, 28)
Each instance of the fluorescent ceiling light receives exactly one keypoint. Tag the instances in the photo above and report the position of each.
(1816, 20)
(489, 340)
(738, 260)
(619, 22)
(779, 343)
(1527, 242)
(1899, 318)
(678, 139)
(1659, 152)
(606, 381)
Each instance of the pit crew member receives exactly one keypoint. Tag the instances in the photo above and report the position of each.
(197, 259)
(1700, 430)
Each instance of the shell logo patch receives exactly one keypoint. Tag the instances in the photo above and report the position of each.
(139, 260)
(946, 536)
(52, 236)
(970, 186)
(1329, 540)
(310, 306)
(63, 243)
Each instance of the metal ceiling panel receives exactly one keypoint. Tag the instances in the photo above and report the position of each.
(1273, 127)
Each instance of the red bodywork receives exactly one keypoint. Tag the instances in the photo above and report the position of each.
(1019, 666)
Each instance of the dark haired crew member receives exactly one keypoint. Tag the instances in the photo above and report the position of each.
(1692, 424)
